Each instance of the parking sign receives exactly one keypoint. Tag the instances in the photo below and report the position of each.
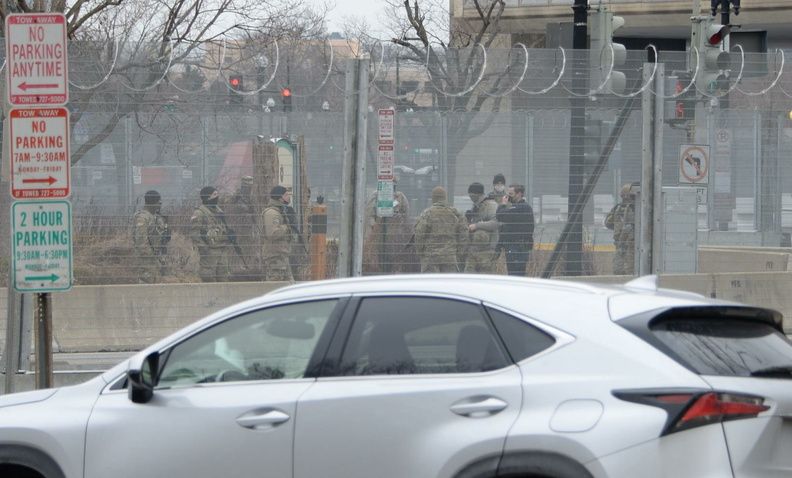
(36, 54)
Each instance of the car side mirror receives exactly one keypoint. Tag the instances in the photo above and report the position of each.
(141, 378)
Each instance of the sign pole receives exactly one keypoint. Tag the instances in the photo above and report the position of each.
(37, 89)
(44, 340)
(13, 334)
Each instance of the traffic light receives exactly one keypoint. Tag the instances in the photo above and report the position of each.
(593, 132)
(681, 106)
(236, 84)
(606, 56)
(712, 60)
(287, 100)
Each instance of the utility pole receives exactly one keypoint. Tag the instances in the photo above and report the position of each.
(574, 250)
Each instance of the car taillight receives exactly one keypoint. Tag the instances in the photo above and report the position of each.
(689, 409)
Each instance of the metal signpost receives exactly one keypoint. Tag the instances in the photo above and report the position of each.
(385, 159)
(37, 82)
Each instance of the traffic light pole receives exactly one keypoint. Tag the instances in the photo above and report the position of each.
(574, 243)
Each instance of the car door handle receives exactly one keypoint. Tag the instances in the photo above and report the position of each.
(479, 408)
(263, 420)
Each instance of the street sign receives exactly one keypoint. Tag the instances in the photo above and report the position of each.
(36, 67)
(41, 237)
(385, 198)
(386, 125)
(701, 195)
(694, 161)
(40, 162)
(385, 162)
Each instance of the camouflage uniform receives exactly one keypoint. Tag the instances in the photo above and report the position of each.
(386, 236)
(401, 206)
(210, 234)
(241, 218)
(151, 242)
(481, 254)
(278, 239)
(441, 238)
(621, 219)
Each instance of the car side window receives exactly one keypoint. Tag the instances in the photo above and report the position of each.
(420, 335)
(267, 344)
(522, 339)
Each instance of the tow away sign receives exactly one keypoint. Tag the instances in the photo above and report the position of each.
(40, 162)
(36, 66)
(41, 237)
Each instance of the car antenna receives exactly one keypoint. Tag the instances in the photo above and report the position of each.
(649, 282)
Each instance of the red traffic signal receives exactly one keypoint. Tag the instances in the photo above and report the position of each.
(236, 85)
(287, 106)
(714, 34)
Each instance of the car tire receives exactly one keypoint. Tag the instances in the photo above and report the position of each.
(31, 458)
(540, 465)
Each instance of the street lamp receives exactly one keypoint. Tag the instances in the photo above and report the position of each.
(270, 103)
(325, 106)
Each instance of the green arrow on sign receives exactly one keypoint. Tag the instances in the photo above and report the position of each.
(51, 278)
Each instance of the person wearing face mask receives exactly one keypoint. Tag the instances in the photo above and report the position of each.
(279, 234)
(151, 236)
(483, 230)
(243, 197)
(210, 235)
(517, 226)
(498, 188)
(621, 220)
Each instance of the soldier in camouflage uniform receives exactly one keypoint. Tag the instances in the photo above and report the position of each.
(278, 237)
(483, 228)
(239, 209)
(151, 236)
(242, 196)
(621, 219)
(210, 234)
(441, 236)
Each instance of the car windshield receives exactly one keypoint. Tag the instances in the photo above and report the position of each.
(728, 347)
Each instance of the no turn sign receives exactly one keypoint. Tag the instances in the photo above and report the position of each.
(694, 161)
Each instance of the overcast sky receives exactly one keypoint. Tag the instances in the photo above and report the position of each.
(368, 9)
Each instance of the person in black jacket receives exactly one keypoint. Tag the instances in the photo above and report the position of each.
(517, 228)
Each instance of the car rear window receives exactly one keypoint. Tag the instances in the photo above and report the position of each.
(727, 347)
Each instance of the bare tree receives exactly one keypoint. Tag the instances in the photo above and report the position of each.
(453, 57)
(140, 42)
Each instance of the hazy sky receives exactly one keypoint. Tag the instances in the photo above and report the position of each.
(368, 9)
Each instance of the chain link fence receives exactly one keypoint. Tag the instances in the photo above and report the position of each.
(140, 121)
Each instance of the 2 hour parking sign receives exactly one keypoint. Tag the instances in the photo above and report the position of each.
(41, 237)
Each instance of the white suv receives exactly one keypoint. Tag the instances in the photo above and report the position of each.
(431, 376)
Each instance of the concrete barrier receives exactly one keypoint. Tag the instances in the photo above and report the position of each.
(130, 317)
(716, 259)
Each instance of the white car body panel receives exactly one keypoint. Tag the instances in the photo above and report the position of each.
(385, 419)
(559, 400)
(191, 423)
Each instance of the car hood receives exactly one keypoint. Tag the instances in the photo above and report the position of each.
(27, 397)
